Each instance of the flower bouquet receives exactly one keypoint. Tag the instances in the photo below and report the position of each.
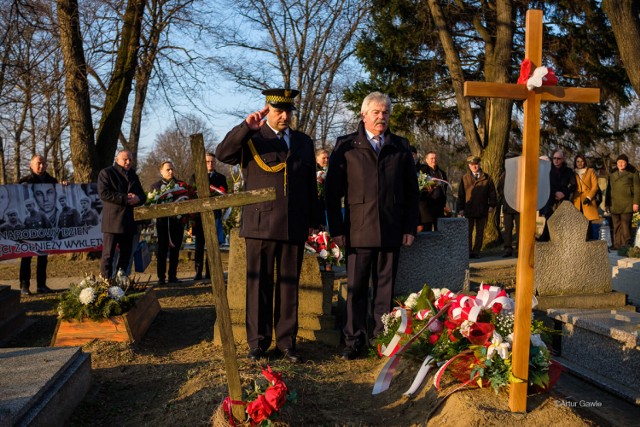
(322, 244)
(428, 183)
(469, 336)
(321, 175)
(97, 298)
(263, 401)
(174, 191)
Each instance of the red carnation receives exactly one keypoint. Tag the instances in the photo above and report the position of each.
(496, 308)
(276, 395)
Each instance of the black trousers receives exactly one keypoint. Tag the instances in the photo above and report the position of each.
(109, 243)
(41, 272)
(380, 265)
(510, 220)
(170, 234)
(621, 229)
(272, 304)
(476, 244)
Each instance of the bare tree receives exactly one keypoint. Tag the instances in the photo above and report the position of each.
(174, 145)
(301, 45)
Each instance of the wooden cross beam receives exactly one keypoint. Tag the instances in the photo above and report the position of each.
(528, 181)
(205, 206)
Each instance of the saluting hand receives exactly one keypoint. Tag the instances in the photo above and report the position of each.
(254, 120)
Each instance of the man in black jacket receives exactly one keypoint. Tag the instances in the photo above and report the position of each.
(274, 155)
(374, 171)
(120, 191)
(38, 175)
(434, 199)
(219, 181)
(562, 181)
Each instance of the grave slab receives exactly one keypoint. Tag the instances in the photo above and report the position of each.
(42, 386)
(603, 347)
(12, 316)
(625, 277)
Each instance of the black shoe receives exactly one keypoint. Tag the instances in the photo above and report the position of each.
(25, 292)
(291, 355)
(350, 353)
(255, 354)
(44, 290)
(474, 256)
(197, 276)
(161, 282)
(174, 280)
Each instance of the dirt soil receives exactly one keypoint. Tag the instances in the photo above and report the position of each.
(175, 375)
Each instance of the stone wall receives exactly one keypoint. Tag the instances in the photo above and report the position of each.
(438, 258)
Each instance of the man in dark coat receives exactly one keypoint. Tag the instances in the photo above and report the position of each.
(169, 229)
(434, 199)
(374, 171)
(38, 175)
(120, 191)
(274, 155)
(562, 182)
(219, 181)
(476, 199)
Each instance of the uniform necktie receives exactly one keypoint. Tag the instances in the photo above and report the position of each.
(282, 138)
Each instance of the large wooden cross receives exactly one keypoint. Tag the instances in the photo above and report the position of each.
(205, 205)
(528, 181)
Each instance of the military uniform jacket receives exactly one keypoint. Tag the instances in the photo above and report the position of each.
(476, 196)
(380, 191)
(289, 217)
(114, 183)
(623, 191)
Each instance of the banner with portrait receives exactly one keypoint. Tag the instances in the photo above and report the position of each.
(40, 219)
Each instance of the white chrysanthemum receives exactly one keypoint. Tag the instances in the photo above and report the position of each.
(465, 327)
(115, 292)
(537, 341)
(323, 254)
(412, 300)
(87, 296)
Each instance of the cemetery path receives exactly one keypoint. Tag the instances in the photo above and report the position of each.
(175, 375)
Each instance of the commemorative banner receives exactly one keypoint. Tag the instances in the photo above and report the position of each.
(41, 219)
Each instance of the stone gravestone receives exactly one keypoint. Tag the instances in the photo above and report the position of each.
(437, 258)
(315, 321)
(572, 277)
(570, 272)
(12, 316)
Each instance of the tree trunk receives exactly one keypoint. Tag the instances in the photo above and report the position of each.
(624, 16)
(117, 96)
(497, 116)
(81, 138)
(3, 170)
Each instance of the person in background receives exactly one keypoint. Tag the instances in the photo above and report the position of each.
(68, 216)
(322, 164)
(4, 202)
(89, 215)
(274, 155)
(219, 181)
(374, 171)
(416, 158)
(170, 231)
(586, 189)
(476, 199)
(120, 191)
(510, 216)
(434, 199)
(622, 200)
(562, 183)
(38, 175)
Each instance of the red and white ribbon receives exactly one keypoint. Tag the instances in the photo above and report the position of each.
(469, 307)
(404, 328)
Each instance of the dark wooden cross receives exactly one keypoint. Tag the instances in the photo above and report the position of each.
(205, 205)
(528, 181)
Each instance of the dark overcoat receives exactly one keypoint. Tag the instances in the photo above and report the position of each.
(380, 191)
(114, 184)
(561, 179)
(289, 217)
(476, 196)
(432, 202)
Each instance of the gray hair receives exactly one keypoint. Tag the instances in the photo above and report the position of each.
(377, 98)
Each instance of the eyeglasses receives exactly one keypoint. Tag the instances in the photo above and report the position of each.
(558, 158)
